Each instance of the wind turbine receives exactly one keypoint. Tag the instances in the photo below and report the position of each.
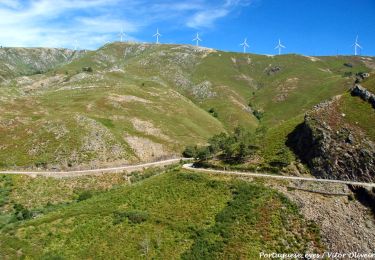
(122, 34)
(157, 35)
(76, 45)
(245, 45)
(279, 46)
(197, 39)
(356, 45)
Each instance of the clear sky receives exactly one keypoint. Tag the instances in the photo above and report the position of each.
(310, 27)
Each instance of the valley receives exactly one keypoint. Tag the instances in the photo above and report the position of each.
(278, 153)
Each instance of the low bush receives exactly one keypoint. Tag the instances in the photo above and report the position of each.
(84, 195)
(134, 217)
(87, 69)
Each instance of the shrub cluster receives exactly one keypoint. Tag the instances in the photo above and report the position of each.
(135, 217)
(213, 112)
(236, 146)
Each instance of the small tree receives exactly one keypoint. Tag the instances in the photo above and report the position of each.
(190, 152)
(203, 153)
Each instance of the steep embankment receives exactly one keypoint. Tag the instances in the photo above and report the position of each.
(126, 103)
(337, 138)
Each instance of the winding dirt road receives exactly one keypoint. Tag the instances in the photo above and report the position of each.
(189, 166)
(67, 174)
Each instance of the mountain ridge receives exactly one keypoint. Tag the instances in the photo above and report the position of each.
(127, 103)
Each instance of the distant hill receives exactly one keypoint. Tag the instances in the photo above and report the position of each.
(28, 61)
(126, 103)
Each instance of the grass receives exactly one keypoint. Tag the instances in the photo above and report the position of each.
(158, 84)
(177, 214)
(274, 148)
(359, 114)
(369, 84)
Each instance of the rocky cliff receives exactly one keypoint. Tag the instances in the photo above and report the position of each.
(336, 139)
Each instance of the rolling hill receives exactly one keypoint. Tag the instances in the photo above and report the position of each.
(177, 215)
(129, 102)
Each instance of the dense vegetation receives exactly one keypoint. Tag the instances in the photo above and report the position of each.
(240, 149)
(234, 147)
(176, 214)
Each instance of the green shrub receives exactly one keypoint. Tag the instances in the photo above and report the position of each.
(190, 152)
(22, 213)
(258, 114)
(87, 69)
(213, 112)
(134, 217)
(84, 195)
(41, 164)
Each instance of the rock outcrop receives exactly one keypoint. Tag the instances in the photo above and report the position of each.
(333, 148)
(363, 93)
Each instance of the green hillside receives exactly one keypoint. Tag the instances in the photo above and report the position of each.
(126, 103)
(170, 216)
(29, 61)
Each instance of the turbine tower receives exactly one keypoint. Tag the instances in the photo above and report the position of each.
(157, 35)
(245, 45)
(279, 46)
(197, 39)
(356, 46)
(76, 45)
(122, 34)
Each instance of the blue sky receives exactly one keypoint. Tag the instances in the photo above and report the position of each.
(309, 27)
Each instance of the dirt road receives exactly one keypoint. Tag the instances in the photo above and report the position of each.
(67, 174)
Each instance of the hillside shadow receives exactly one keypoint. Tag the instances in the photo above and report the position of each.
(300, 142)
(365, 197)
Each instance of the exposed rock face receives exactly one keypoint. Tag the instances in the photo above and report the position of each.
(363, 93)
(333, 150)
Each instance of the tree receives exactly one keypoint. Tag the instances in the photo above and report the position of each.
(217, 142)
(203, 153)
(239, 145)
(190, 152)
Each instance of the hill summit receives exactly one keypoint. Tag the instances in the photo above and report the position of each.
(130, 102)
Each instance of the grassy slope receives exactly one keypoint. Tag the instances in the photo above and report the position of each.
(87, 118)
(359, 114)
(105, 104)
(284, 96)
(180, 214)
(369, 83)
(29, 61)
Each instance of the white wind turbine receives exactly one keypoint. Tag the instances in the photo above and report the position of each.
(279, 46)
(356, 46)
(122, 34)
(76, 46)
(197, 39)
(244, 45)
(157, 35)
